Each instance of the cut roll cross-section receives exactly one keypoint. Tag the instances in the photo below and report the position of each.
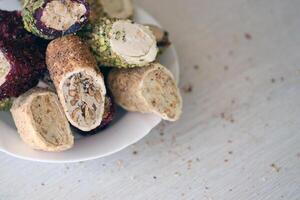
(121, 43)
(120, 9)
(79, 84)
(41, 122)
(151, 89)
(54, 18)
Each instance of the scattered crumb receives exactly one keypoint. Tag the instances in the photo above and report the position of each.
(103, 165)
(162, 140)
(226, 68)
(173, 141)
(229, 141)
(206, 187)
(248, 36)
(188, 88)
(266, 125)
(79, 181)
(268, 98)
(263, 179)
(227, 118)
(182, 194)
(189, 162)
(177, 174)
(230, 190)
(42, 184)
(196, 67)
(275, 167)
(226, 160)
(154, 177)
(81, 162)
(273, 80)
(230, 152)
(232, 101)
(282, 79)
(135, 152)
(161, 133)
(298, 155)
(247, 78)
(231, 53)
(120, 163)
(223, 115)
(189, 148)
(198, 159)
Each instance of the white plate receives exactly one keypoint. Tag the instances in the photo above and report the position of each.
(127, 129)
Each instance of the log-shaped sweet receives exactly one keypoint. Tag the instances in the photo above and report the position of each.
(150, 89)
(119, 9)
(78, 82)
(161, 36)
(50, 19)
(22, 60)
(41, 122)
(121, 43)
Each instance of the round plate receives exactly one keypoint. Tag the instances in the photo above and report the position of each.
(127, 129)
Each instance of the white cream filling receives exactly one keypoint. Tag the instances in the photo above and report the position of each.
(121, 9)
(133, 42)
(83, 97)
(4, 68)
(61, 15)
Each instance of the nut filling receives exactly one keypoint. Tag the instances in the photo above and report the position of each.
(83, 99)
(4, 68)
(49, 121)
(161, 93)
(61, 15)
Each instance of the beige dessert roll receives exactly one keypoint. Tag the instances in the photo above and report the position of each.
(79, 84)
(150, 89)
(41, 122)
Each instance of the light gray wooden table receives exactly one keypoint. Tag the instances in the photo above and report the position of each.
(239, 136)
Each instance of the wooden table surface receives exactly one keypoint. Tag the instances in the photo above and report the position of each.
(239, 136)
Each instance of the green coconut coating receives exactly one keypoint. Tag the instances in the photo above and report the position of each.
(29, 8)
(5, 104)
(98, 36)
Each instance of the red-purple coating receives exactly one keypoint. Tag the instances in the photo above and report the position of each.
(24, 52)
(53, 33)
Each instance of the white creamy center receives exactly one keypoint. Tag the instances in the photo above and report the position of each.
(61, 15)
(4, 68)
(130, 39)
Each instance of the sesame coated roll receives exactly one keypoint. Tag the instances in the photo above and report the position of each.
(79, 83)
(150, 89)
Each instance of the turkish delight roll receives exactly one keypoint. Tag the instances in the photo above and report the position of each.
(50, 19)
(41, 122)
(22, 60)
(150, 89)
(79, 84)
(121, 43)
(120, 9)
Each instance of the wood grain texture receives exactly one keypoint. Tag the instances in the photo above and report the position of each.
(239, 135)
